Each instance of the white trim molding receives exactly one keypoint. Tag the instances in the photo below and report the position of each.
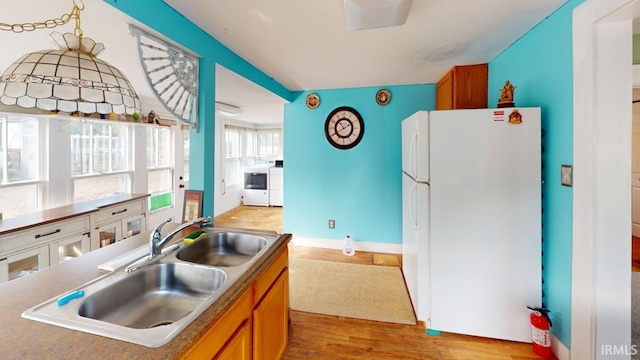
(560, 350)
(601, 278)
(385, 248)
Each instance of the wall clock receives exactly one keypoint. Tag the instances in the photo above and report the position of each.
(344, 128)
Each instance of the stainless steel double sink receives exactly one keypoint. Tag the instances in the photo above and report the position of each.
(153, 304)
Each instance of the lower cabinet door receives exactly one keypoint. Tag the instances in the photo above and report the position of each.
(73, 247)
(24, 263)
(271, 321)
(239, 346)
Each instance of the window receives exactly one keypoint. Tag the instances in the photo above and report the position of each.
(20, 152)
(48, 161)
(247, 146)
(186, 141)
(268, 144)
(22, 159)
(94, 187)
(233, 158)
(99, 159)
(159, 167)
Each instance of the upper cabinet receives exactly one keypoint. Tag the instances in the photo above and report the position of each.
(463, 87)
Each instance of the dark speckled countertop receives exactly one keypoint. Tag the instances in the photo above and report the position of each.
(28, 339)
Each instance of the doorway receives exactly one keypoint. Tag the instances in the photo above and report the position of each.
(249, 134)
(601, 291)
(635, 178)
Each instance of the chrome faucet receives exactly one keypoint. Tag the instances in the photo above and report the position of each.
(157, 241)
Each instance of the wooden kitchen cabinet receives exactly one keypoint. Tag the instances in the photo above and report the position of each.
(463, 87)
(239, 346)
(257, 325)
(271, 321)
(226, 334)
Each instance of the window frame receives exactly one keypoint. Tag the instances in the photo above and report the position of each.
(247, 157)
(129, 171)
(169, 167)
(42, 165)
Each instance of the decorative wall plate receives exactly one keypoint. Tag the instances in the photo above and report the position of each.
(313, 100)
(383, 97)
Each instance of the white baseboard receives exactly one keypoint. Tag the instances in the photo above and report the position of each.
(386, 248)
(559, 349)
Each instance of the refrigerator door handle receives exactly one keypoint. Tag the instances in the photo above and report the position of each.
(413, 208)
(412, 155)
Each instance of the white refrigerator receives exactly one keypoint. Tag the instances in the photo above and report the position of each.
(471, 199)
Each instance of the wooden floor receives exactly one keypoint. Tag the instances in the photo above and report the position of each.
(252, 217)
(315, 336)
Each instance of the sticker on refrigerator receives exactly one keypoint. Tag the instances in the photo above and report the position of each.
(515, 118)
(498, 115)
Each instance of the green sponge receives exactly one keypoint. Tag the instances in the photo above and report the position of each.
(194, 236)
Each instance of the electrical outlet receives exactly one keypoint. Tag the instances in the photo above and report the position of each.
(332, 224)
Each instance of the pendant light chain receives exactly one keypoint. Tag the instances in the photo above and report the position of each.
(51, 23)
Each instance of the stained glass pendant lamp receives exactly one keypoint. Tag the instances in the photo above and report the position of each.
(69, 79)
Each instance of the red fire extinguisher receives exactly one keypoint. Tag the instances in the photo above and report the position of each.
(541, 339)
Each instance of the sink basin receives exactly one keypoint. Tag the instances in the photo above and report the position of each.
(223, 249)
(154, 303)
(153, 296)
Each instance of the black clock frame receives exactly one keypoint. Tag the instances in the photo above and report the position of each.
(358, 118)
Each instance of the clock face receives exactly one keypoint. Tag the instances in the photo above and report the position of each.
(344, 128)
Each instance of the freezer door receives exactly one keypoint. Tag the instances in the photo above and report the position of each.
(415, 243)
(485, 222)
(415, 146)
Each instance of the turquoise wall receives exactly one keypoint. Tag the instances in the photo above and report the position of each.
(174, 26)
(359, 188)
(540, 64)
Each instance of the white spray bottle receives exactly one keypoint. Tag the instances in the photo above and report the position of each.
(347, 246)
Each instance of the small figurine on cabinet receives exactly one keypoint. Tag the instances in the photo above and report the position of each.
(153, 117)
(506, 95)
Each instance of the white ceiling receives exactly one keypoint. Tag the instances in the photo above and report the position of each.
(304, 45)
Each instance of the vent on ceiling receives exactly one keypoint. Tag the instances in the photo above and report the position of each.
(368, 14)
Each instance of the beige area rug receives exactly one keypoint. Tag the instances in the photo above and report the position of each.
(350, 290)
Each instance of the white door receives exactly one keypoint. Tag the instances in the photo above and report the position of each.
(485, 222)
(181, 174)
(635, 176)
(415, 146)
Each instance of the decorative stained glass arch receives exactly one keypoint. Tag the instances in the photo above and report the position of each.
(172, 73)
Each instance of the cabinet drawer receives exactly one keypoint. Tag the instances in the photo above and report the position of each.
(119, 211)
(43, 234)
(264, 282)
